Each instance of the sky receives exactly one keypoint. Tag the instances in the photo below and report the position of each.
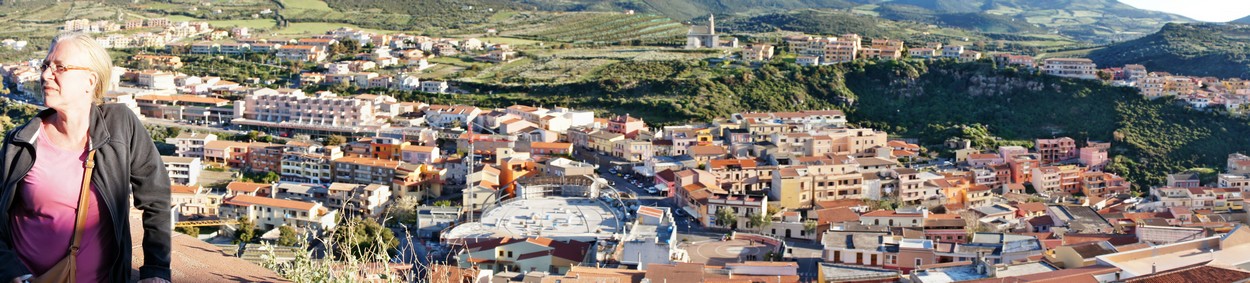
(1202, 10)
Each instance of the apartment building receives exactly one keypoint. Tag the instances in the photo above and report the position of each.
(817, 180)
(1057, 150)
(264, 157)
(228, 153)
(1218, 199)
(302, 53)
(757, 52)
(364, 170)
(448, 116)
(310, 163)
(1071, 68)
(1053, 180)
(322, 113)
(358, 199)
(271, 213)
(193, 201)
(742, 206)
(183, 170)
(190, 144)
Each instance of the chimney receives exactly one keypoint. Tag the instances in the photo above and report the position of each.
(1152, 268)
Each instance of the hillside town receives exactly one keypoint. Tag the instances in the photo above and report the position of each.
(537, 193)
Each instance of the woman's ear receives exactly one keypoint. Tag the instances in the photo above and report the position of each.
(93, 80)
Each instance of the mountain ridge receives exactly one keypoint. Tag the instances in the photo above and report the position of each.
(1198, 49)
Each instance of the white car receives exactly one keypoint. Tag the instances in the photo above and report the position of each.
(652, 190)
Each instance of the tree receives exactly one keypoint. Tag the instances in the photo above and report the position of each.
(809, 226)
(442, 203)
(190, 231)
(245, 232)
(287, 236)
(335, 140)
(270, 177)
(403, 210)
(759, 221)
(1104, 76)
(725, 217)
(364, 238)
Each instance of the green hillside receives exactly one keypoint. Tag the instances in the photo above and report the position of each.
(610, 28)
(931, 101)
(1191, 49)
(1090, 20)
(826, 22)
(1150, 137)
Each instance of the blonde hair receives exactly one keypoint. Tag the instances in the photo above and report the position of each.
(100, 62)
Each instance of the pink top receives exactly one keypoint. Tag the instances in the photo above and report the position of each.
(45, 211)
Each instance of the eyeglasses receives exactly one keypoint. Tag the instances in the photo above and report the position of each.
(60, 68)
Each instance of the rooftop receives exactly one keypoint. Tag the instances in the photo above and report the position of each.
(246, 200)
(175, 159)
(840, 273)
(556, 217)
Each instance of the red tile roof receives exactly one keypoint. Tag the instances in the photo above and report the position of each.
(1204, 273)
(246, 200)
(650, 211)
(238, 186)
(367, 161)
(835, 215)
(180, 189)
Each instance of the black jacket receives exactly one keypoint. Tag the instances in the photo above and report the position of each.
(127, 164)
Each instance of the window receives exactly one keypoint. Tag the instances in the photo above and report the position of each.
(509, 253)
(919, 262)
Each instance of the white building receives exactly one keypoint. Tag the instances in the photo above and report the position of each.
(309, 163)
(182, 170)
(156, 80)
(191, 144)
(271, 213)
(367, 200)
(322, 112)
(1071, 68)
(419, 154)
(446, 115)
(652, 240)
(434, 86)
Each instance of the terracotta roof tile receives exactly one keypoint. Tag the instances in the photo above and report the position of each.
(238, 186)
(246, 200)
(180, 189)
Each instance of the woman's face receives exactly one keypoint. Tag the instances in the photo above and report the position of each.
(66, 80)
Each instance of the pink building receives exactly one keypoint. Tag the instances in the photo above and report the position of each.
(1007, 151)
(1094, 155)
(626, 125)
(1055, 150)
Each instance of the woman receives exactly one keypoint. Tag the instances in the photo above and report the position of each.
(42, 164)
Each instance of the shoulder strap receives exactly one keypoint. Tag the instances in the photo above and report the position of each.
(83, 205)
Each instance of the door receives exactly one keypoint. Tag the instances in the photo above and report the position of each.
(837, 256)
(787, 233)
(859, 258)
(873, 260)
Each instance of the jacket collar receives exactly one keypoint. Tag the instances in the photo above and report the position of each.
(27, 133)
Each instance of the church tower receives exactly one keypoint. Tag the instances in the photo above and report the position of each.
(711, 23)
